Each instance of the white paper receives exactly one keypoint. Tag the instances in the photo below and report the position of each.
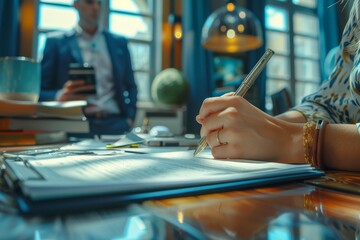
(77, 175)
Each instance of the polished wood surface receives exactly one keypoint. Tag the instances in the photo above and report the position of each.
(291, 211)
(339, 180)
(323, 208)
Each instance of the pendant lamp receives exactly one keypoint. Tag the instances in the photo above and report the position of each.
(231, 29)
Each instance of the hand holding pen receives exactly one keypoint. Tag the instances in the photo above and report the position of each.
(241, 91)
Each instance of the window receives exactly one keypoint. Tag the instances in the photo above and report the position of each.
(137, 20)
(53, 15)
(296, 64)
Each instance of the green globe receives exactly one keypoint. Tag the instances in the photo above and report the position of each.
(170, 87)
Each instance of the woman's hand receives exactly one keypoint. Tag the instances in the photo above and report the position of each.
(236, 129)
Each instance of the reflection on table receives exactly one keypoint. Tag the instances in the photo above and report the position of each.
(287, 211)
(293, 211)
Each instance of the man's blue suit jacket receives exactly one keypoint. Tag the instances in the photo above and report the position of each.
(61, 49)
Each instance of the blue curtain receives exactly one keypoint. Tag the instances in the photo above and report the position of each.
(196, 62)
(9, 27)
(259, 88)
(330, 33)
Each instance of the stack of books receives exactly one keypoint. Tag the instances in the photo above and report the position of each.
(27, 123)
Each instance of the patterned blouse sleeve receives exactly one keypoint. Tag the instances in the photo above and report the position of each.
(330, 101)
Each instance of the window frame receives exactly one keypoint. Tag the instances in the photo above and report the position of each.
(154, 44)
(292, 9)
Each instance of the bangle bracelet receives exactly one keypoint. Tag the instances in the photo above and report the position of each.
(315, 144)
(308, 134)
(320, 143)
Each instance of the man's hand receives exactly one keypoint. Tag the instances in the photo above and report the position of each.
(71, 88)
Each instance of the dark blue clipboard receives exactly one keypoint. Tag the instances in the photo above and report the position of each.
(105, 201)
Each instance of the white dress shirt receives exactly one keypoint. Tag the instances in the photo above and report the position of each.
(95, 52)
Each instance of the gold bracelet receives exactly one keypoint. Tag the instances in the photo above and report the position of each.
(308, 138)
(319, 145)
(315, 143)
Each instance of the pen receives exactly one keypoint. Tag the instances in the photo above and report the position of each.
(133, 145)
(243, 88)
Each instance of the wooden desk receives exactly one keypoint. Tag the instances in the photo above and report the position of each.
(287, 211)
(291, 211)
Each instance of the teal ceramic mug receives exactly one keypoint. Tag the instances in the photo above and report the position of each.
(19, 79)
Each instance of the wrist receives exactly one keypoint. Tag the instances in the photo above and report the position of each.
(293, 150)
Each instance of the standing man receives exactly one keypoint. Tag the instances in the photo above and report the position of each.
(112, 109)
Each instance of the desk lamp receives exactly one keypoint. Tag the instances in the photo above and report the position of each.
(231, 29)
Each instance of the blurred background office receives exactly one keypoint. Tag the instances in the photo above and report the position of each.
(89, 63)
(167, 34)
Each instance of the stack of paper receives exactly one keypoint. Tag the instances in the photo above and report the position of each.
(63, 181)
(27, 123)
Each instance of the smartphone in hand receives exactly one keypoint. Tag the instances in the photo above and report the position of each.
(83, 72)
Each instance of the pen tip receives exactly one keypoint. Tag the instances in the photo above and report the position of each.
(201, 146)
(197, 150)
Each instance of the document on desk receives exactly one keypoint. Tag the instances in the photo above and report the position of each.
(138, 177)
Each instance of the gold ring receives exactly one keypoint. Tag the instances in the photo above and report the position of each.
(218, 139)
